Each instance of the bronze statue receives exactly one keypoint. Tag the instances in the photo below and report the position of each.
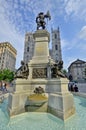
(39, 90)
(23, 71)
(40, 19)
(56, 70)
(60, 65)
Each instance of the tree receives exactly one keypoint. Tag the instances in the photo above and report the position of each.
(6, 75)
(65, 72)
(1, 75)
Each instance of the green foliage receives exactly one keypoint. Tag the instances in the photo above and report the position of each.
(6, 75)
(64, 71)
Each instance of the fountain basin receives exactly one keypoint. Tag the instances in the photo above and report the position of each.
(44, 121)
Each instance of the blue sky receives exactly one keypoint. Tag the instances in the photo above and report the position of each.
(18, 17)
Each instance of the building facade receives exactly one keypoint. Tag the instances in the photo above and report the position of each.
(7, 56)
(56, 45)
(55, 52)
(28, 47)
(77, 70)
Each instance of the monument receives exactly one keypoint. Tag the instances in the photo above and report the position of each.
(42, 72)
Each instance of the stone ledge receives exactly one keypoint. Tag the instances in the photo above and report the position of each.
(61, 114)
(79, 94)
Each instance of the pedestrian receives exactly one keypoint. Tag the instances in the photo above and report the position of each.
(76, 88)
(4, 87)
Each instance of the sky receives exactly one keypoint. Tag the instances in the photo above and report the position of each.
(18, 17)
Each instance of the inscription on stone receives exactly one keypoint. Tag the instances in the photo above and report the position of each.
(39, 73)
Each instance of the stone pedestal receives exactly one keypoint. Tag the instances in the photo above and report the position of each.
(41, 51)
(38, 66)
(60, 101)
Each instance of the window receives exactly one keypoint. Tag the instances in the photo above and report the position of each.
(56, 47)
(55, 36)
(29, 38)
(27, 58)
(27, 49)
(56, 58)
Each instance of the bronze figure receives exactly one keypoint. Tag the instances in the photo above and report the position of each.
(23, 71)
(56, 70)
(40, 19)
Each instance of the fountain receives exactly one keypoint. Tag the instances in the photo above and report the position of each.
(42, 71)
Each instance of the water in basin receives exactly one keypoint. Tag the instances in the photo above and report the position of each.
(44, 121)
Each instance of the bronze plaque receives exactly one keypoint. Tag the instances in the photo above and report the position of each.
(39, 73)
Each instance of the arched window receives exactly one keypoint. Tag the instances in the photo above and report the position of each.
(29, 38)
(56, 47)
(56, 58)
(27, 49)
(55, 36)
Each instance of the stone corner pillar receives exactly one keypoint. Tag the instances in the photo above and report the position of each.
(61, 101)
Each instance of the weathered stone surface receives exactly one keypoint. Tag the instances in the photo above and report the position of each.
(61, 106)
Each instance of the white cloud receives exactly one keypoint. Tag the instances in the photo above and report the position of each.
(68, 60)
(64, 44)
(18, 16)
(82, 33)
(8, 33)
(75, 8)
(72, 6)
(22, 13)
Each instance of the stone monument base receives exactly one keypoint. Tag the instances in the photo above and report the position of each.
(60, 100)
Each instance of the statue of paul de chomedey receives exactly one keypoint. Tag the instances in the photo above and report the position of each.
(40, 19)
